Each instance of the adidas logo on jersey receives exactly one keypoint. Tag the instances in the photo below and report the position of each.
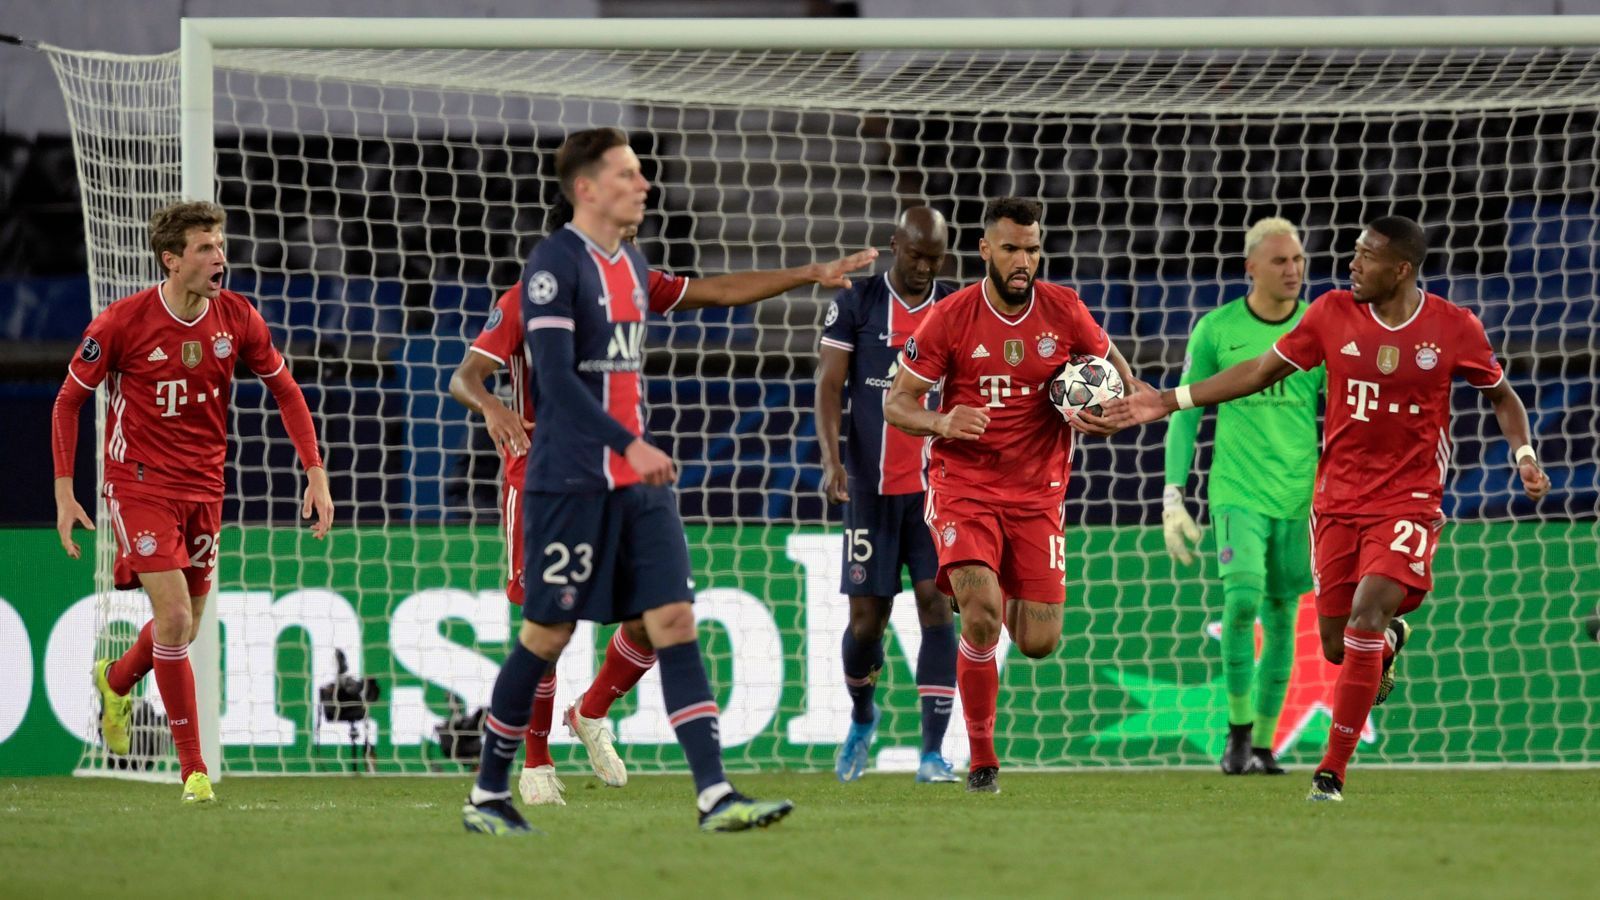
(981, 352)
(156, 355)
(1420, 568)
(1350, 349)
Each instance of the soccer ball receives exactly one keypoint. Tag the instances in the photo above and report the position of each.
(1085, 384)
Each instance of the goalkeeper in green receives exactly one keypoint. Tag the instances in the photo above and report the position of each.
(1262, 468)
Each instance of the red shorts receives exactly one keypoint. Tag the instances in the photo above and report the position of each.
(157, 534)
(511, 527)
(1346, 549)
(1026, 548)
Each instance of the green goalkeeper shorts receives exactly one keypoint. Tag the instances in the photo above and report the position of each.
(1276, 550)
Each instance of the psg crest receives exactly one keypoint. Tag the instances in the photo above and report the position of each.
(569, 597)
(192, 353)
(858, 573)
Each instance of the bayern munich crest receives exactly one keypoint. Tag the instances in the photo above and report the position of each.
(542, 288)
(222, 345)
(949, 535)
(568, 598)
(1047, 345)
(1427, 356)
(858, 573)
(145, 544)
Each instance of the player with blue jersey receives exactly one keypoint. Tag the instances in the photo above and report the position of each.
(600, 525)
(880, 481)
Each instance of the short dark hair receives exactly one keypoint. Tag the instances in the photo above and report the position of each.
(1407, 240)
(170, 226)
(1017, 209)
(581, 152)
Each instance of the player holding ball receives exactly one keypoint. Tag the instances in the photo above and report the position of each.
(1000, 454)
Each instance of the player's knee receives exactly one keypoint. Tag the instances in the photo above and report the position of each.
(980, 624)
(1333, 649)
(636, 634)
(933, 608)
(1038, 646)
(670, 625)
(544, 641)
(869, 617)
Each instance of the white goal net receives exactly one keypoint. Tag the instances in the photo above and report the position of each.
(380, 199)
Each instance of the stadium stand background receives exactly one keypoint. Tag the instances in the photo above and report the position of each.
(1144, 274)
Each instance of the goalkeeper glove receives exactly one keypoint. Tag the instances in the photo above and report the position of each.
(1177, 526)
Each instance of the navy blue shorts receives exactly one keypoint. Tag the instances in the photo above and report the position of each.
(881, 534)
(603, 556)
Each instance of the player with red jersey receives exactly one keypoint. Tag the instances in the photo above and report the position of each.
(630, 654)
(168, 355)
(1392, 351)
(1000, 457)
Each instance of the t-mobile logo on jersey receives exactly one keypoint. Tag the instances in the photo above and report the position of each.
(1362, 397)
(998, 387)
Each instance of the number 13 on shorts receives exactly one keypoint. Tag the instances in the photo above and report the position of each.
(1058, 552)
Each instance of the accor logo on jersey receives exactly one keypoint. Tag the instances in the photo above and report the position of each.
(624, 350)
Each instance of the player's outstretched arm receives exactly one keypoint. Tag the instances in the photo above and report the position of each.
(64, 445)
(831, 374)
(743, 288)
(1513, 419)
(302, 431)
(506, 428)
(1246, 378)
(904, 410)
(319, 500)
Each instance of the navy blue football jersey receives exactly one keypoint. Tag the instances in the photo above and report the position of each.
(584, 312)
(872, 322)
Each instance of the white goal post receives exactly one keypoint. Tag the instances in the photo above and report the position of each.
(1152, 143)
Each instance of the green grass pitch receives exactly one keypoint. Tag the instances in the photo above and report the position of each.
(1479, 833)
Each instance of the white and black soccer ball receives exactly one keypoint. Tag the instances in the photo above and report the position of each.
(1085, 384)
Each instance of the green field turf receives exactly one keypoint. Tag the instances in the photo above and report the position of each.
(1177, 834)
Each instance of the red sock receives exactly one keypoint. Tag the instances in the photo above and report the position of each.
(133, 665)
(175, 680)
(979, 681)
(1353, 693)
(625, 663)
(538, 737)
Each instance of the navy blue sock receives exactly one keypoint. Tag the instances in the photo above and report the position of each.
(692, 711)
(510, 708)
(936, 683)
(861, 664)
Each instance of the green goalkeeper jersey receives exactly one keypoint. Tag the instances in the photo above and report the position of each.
(1265, 457)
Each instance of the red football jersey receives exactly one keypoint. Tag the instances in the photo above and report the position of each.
(1386, 437)
(170, 382)
(1003, 365)
(501, 340)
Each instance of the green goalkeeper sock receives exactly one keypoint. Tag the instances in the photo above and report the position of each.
(1241, 599)
(1277, 661)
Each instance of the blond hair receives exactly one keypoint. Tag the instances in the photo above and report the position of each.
(1265, 228)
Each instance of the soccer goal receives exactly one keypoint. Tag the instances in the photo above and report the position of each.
(385, 180)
